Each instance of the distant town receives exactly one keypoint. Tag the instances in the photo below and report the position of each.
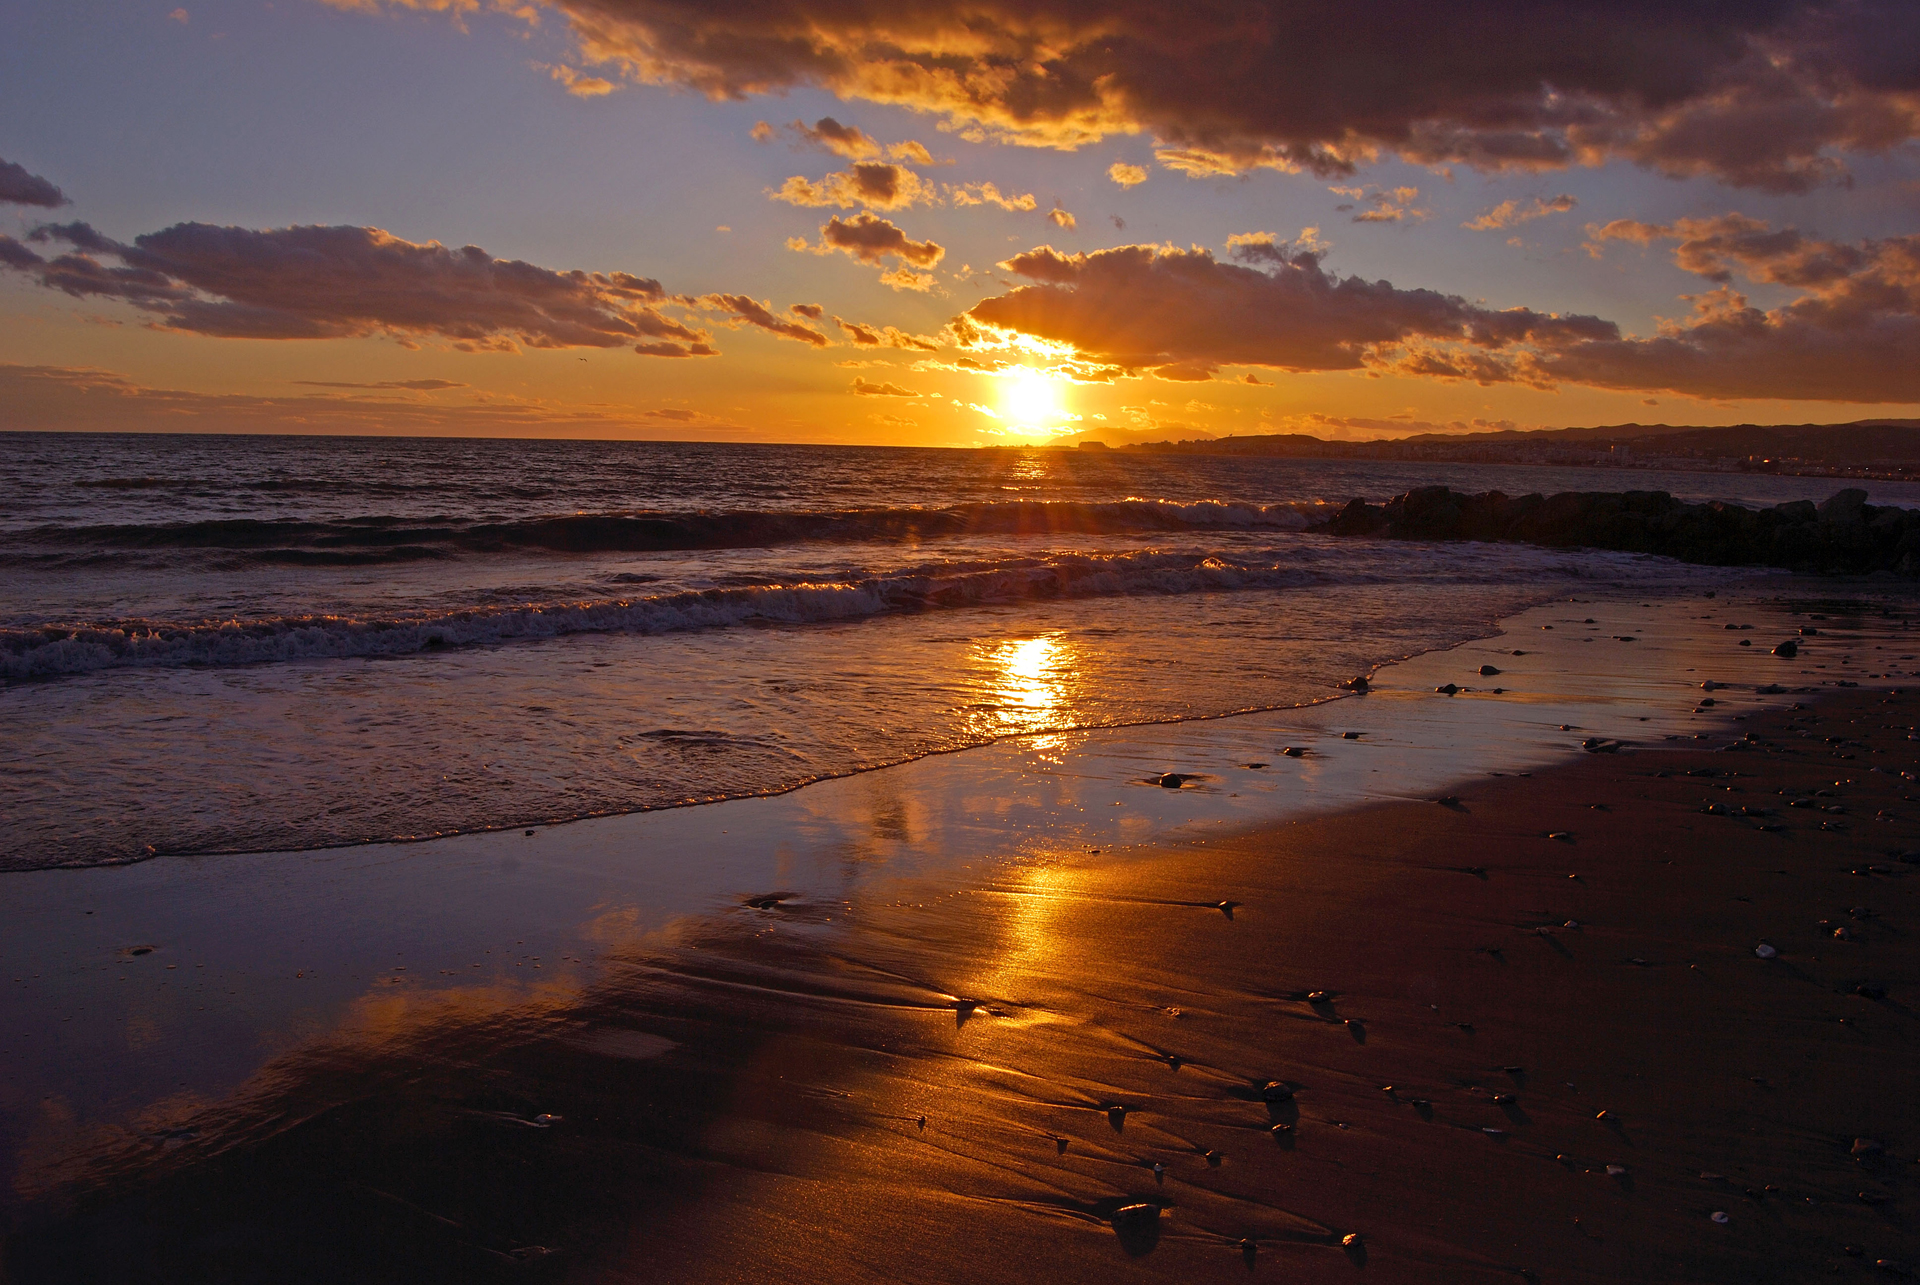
(1880, 449)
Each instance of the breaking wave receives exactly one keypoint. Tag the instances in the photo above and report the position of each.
(73, 649)
(381, 538)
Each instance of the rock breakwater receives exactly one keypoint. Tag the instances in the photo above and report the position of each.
(1843, 535)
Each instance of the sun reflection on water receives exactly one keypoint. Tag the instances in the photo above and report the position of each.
(1028, 685)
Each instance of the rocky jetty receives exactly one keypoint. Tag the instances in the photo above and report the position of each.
(1845, 534)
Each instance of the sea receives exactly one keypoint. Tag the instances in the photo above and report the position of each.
(216, 644)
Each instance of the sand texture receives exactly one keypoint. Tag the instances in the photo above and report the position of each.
(1520, 1034)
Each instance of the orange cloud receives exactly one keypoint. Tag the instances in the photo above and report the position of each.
(862, 388)
(1512, 212)
(989, 194)
(877, 185)
(862, 336)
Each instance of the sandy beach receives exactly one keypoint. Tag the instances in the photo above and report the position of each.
(1521, 1032)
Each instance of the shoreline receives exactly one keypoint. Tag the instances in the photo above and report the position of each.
(1753, 591)
(713, 1091)
(652, 1004)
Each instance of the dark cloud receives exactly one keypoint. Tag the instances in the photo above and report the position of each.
(871, 240)
(1852, 334)
(343, 282)
(1184, 314)
(17, 256)
(18, 186)
(743, 310)
(811, 311)
(1765, 93)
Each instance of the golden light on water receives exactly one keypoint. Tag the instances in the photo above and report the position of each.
(1028, 684)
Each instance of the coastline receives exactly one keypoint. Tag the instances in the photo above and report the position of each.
(748, 1026)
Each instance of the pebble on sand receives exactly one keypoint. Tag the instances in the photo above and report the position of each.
(1488, 671)
(1447, 689)
(1765, 951)
(1275, 1091)
(1787, 650)
(1720, 1216)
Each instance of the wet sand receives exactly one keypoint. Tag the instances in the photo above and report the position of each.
(952, 1039)
(971, 1084)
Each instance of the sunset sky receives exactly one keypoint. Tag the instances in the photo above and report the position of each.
(946, 222)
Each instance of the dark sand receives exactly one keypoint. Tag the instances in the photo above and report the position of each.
(927, 1091)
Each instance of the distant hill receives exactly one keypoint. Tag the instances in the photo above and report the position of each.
(1882, 448)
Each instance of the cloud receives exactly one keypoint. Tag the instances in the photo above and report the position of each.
(850, 141)
(1383, 205)
(1369, 428)
(905, 278)
(811, 311)
(862, 388)
(409, 385)
(350, 282)
(871, 239)
(877, 185)
(863, 336)
(829, 135)
(578, 83)
(1127, 175)
(80, 399)
(19, 187)
(1060, 218)
(1772, 94)
(1510, 213)
(1851, 335)
(741, 309)
(179, 16)
(1182, 313)
(988, 194)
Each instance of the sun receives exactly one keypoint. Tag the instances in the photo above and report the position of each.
(1032, 399)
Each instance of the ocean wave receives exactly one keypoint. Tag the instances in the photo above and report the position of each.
(378, 538)
(53, 650)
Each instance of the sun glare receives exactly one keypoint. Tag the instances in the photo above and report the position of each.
(1032, 399)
